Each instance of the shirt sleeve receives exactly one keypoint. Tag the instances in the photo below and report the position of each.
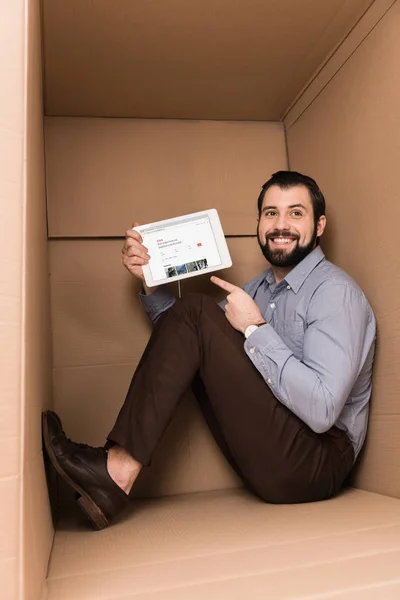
(317, 387)
(157, 302)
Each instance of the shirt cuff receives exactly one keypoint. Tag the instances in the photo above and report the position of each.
(158, 301)
(264, 337)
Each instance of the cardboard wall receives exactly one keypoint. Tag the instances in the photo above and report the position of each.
(25, 352)
(37, 533)
(187, 60)
(12, 46)
(347, 138)
(101, 172)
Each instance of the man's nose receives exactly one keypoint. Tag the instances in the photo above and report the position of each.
(282, 222)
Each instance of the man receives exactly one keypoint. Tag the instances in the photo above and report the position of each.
(283, 376)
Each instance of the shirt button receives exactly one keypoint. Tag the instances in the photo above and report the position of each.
(288, 287)
(269, 380)
(252, 350)
(272, 305)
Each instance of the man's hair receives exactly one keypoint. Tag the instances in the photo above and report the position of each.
(288, 179)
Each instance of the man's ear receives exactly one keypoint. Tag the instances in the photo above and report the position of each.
(321, 225)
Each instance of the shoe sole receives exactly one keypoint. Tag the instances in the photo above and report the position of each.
(86, 503)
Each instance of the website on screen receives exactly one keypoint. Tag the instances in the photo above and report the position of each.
(184, 247)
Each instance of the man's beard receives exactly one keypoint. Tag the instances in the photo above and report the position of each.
(282, 258)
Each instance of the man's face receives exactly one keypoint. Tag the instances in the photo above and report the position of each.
(287, 231)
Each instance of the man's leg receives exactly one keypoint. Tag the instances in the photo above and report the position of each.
(276, 454)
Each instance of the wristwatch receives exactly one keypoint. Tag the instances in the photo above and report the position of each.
(251, 329)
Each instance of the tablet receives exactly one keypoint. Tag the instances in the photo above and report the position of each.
(184, 247)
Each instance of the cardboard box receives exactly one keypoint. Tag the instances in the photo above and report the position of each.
(118, 111)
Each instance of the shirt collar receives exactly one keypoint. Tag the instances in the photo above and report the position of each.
(299, 274)
(269, 277)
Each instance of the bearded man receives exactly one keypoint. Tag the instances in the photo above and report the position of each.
(282, 373)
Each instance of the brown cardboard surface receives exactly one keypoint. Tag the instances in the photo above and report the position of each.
(10, 519)
(99, 333)
(38, 530)
(97, 317)
(89, 398)
(8, 568)
(326, 71)
(348, 140)
(379, 464)
(388, 590)
(194, 525)
(338, 577)
(205, 545)
(37, 533)
(103, 173)
(208, 60)
(12, 129)
(342, 576)
(97, 324)
(9, 447)
(187, 460)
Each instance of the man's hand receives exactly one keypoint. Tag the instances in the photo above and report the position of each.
(241, 310)
(134, 255)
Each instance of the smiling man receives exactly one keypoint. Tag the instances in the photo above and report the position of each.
(289, 223)
(283, 375)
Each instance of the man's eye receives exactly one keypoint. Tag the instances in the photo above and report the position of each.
(270, 213)
(297, 213)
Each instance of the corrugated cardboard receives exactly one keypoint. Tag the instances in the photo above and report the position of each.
(97, 317)
(231, 545)
(12, 133)
(104, 173)
(326, 71)
(187, 459)
(355, 158)
(37, 529)
(217, 544)
(99, 334)
(198, 60)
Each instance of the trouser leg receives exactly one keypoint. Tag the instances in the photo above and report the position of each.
(277, 454)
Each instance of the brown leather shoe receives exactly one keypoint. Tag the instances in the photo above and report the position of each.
(83, 468)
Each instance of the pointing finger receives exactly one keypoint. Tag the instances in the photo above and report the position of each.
(225, 285)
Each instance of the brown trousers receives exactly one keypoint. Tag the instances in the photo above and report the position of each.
(275, 453)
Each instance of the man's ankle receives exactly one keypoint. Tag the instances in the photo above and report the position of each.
(122, 468)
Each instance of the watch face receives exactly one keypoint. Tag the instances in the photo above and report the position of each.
(249, 330)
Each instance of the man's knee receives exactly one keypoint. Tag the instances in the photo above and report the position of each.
(196, 301)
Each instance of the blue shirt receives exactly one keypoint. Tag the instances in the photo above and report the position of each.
(316, 350)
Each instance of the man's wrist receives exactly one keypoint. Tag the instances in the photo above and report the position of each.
(253, 327)
(147, 290)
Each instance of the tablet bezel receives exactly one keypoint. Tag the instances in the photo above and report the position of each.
(222, 247)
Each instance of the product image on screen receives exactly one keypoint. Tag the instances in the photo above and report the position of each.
(181, 248)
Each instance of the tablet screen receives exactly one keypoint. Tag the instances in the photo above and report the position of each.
(181, 247)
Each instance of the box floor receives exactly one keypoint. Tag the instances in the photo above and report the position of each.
(229, 544)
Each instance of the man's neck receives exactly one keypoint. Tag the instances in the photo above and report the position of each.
(280, 272)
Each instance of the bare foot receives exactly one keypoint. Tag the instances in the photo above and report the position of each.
(122, 468)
